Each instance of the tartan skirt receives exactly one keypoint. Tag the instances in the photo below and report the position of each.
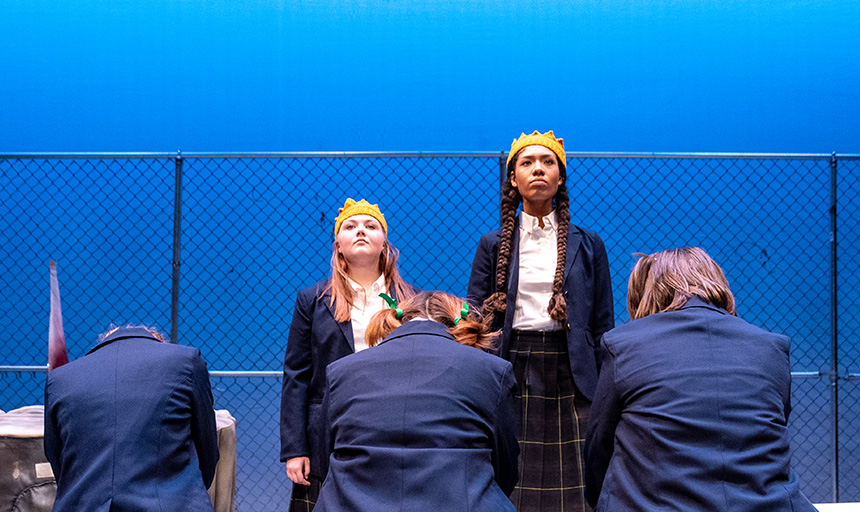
(552, 420)
(304, 497)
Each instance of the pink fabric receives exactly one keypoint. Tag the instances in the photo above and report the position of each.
(57, 355)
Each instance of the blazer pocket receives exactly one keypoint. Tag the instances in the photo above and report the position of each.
(590, 339)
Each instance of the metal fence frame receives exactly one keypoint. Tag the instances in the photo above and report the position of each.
(834, 378)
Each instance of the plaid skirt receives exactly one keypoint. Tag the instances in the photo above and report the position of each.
(304, 497)
(552, 425)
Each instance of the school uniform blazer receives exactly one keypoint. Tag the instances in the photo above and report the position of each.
(587, 289)
(420, 422)
(130, 427)
(315, 340)
(690, 414)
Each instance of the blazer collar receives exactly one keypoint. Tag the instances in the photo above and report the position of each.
(422, 327)
(124, 333)
(697, 302)
(345, 327)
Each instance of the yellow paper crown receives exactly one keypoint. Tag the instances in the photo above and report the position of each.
(536, 138)
(361, 207)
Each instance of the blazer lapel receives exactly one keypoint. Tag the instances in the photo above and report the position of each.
(513, 281)
(514, 273)
(574, 243)
(345, 327)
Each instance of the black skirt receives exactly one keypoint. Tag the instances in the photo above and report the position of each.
(304, 497)
(552, 420)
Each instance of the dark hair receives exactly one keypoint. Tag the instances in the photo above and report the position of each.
(511, 200)
(665, 280)
(439, 307)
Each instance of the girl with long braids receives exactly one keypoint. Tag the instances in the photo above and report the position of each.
(329, 322)
(545, 283)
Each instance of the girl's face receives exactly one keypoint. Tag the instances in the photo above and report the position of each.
(360, 241)
(536, 174)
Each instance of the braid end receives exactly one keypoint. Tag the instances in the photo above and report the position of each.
(495, 303)
(557, 308)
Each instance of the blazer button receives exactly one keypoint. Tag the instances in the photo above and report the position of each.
(568, 326)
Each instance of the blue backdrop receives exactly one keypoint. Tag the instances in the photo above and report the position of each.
(345, 75)
(335, 75)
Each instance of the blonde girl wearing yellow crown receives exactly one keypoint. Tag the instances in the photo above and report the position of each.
(545, 283)
(329, 323)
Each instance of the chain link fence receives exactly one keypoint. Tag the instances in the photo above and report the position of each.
(848, 311)
(257, 228)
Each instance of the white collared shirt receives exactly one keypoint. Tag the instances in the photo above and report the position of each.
(364, 305)
(538, 257)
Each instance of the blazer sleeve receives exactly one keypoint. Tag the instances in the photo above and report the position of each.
(52, 443)
(506, 450)
(602, 422)
(786, 399)
(603, 314)
(483, 272)
(329, 431)
(203, 429)
(298, 370)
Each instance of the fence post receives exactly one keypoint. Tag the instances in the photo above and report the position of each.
(177, 221)
(503, 176)
(834, 336)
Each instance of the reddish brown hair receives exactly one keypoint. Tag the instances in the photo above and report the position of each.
(665, 281)
(439, 307)
(511, 200)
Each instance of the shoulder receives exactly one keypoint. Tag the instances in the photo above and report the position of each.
(314, 291)
(182, 350)
(624, 335)
(588, 236)
(491, 237)
(496, 363)
(488, 244)
(757, 332)
(307, 296)
(181, 355)
(491, 371)
(342, 366)
(67, 371)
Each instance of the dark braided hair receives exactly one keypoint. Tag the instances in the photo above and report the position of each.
(511, 199)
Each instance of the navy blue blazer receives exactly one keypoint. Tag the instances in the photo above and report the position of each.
(587, 290)
(130, 427)
(690, 414)
(315, 340)
(420, 422)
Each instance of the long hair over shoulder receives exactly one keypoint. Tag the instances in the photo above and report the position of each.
(665, 281)
(342, 295)
(439, 307)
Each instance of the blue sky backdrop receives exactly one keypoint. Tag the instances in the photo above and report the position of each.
(342, 75)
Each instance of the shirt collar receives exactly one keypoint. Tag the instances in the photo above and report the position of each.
(529, 223)
(376, 288)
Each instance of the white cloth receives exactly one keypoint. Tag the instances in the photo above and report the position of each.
(538, 257)
(364, 306)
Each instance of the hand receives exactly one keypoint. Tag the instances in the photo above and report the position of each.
(298, 469)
